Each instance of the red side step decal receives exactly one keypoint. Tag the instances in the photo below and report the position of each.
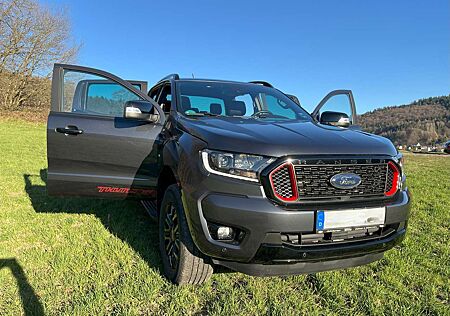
(105, 189)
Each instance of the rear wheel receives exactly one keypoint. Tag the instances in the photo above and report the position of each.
(182, 261)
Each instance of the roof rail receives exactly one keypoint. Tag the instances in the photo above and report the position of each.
(171, 76)
(264, 83)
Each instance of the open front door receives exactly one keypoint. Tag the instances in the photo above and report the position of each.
(92, 149)
(337, 108)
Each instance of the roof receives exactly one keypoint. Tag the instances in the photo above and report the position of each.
(176, 77)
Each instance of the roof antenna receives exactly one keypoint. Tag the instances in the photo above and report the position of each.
(193, 76)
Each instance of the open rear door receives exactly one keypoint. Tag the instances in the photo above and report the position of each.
(92, 149)
(337, 101)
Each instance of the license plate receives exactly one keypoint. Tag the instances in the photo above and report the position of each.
(342, 219)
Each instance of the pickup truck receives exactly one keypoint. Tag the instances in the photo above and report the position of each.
(237, 174)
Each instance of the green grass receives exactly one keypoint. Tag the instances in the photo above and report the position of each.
(93, 257)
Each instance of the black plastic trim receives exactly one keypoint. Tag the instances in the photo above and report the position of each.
(256, 269)
(272, 254)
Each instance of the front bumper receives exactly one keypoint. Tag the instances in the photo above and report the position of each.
(263, 221)
(209, 198)
(275, 259)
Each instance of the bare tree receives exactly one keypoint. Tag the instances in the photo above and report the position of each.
(32, 38)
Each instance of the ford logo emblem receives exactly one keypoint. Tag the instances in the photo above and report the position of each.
(345, 180)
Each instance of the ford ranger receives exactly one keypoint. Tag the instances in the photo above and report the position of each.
(237, 174)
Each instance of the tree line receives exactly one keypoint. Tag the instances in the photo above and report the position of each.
(32, 38)
(425, 121)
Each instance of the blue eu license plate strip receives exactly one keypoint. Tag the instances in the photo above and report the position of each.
(320, 220)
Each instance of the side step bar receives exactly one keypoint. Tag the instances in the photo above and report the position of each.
(151, 208)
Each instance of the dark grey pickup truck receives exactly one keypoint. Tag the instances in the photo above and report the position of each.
(237, 174)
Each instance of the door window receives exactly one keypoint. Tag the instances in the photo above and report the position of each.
(338, 103)
(94, 95)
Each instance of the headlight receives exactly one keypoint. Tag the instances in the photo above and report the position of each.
(239, 166)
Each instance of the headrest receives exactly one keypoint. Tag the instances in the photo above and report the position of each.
(215, 108)
(185, 104)
(236, 108)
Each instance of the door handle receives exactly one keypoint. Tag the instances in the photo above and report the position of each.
(69, 130)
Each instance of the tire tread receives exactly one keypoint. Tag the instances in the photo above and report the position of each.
(193, 267)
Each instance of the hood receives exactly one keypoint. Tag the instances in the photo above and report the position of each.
(276, 139)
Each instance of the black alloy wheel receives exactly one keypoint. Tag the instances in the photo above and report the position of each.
(172, 236)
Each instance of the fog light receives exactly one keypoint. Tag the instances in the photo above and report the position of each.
(229, 235)
(225, 233)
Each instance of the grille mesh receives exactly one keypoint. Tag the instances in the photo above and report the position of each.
(314, 180)
(281, 182)
(390, 179)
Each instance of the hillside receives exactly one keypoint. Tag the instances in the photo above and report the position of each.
(425, 121)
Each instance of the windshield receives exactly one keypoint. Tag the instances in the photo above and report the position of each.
(228, 99)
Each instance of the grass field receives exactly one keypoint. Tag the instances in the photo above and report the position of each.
(94, 257)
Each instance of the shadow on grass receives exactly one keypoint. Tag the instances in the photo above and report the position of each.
(30, 301)
(125, 219)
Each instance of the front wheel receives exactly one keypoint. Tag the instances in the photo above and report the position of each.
(182, 261)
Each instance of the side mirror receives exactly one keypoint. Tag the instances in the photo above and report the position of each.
(140, 110)
(335, 119)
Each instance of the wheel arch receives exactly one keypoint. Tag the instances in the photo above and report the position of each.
(166, 178)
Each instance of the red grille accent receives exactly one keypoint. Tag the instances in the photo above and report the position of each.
(283, 182)
(393, 175)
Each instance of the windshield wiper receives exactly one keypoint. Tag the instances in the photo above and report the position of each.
(202, 114)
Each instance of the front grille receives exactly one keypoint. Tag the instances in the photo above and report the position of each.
(299, 180)
(314, 180)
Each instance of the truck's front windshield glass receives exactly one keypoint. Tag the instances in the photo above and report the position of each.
(228, 99)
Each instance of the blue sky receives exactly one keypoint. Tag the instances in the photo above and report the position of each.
(387, 52)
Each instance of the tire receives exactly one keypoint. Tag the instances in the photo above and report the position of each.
(182, 261)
